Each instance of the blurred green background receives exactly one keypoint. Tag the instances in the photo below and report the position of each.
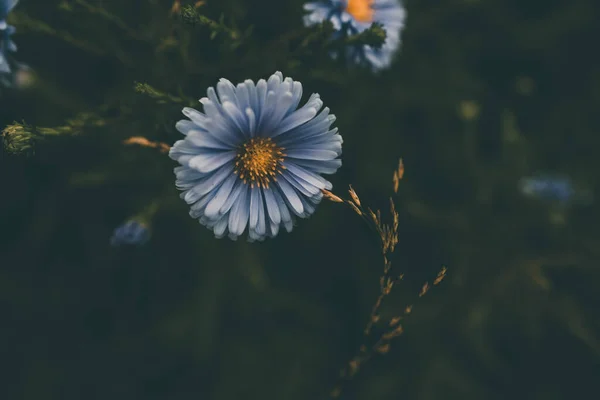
(482, 93)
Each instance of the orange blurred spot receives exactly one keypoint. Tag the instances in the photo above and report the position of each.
(361, 10)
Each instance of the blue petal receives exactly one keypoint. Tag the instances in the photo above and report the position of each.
(235, 193)
(198, 207)
(226, 91)
(309, 206)
(286, 217)
(301, 116)
(238, 217)
(280, 104)
(320, 167)
(234, 113)
(319, 155)
(274, 81)
(195, 116)
(184, 126)
(210, 161)
(252, 122)
(212, 209)
(261, 228)
(187, 178)
(316, 126)
(261, 96)
(274, 229)
(213, 181)
(255, 204)
(307, 190)
(267, 112)
(204, 140)
(272, 207)
(6, 6)
(253, 97)
(296, 94)
(181, 149)
(308, 176)
(220, 227)
(243, 96)
(291, 196)
(330, 141)
(219, 124)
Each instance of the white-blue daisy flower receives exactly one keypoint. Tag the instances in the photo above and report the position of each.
(549, 188)
(5, 7)
(253, 159)
(354, 16)
(6, 44)
(131, 232)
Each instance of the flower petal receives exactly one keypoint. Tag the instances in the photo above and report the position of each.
(272, 207)
(320, 167)
(308, 176)
(212, 181)
(319, 155)
(235, 193)
(210, 161)
(291, 197)
(301, 116)
(212, 209)
(238, 217)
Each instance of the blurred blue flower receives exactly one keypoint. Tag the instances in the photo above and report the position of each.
(6, 46)
(253, 158)
(131, 232)
(354, 16)
(558, 189)
(5, 7)
(7, 65)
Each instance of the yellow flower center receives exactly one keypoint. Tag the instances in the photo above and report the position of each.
(258, 161)
(361, 10)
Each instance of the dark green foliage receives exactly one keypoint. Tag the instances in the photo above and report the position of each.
(481, 94)
(374, 37)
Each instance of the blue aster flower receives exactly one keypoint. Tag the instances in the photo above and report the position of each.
(6, 44)
(559, 189)
(354, 16)
(131, 232)
(253, 159)
(5, 7)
